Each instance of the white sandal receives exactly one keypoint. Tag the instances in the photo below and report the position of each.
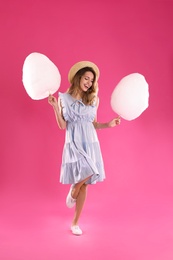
(76, 230)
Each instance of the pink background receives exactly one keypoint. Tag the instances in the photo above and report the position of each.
(130, 215)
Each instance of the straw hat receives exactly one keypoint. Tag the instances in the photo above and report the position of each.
(80, 65)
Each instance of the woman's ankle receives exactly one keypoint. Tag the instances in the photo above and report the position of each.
(74, 223)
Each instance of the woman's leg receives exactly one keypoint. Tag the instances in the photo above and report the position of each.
(77, 187)
(74, 192)
(78, 193)
(79, 203)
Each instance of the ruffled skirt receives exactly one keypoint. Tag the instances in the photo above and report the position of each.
(82, 156)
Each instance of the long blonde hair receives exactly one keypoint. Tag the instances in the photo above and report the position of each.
(90, 95)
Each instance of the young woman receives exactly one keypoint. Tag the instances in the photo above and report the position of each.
(76, 112)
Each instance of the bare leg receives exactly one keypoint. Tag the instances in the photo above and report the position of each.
(78, 193)
(77, 187)
(79, 203)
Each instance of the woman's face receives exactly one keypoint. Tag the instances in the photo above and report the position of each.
(86, 81)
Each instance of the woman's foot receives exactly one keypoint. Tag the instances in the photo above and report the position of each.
(76, 230)
(70, 202)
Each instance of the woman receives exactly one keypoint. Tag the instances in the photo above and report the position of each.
(76, 112)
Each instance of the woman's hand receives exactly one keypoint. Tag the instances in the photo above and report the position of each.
(52, 101)
(116, 121)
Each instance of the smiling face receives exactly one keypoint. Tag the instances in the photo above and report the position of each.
(84, 85)
(86, 81)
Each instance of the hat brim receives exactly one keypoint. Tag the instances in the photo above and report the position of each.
(80, 65)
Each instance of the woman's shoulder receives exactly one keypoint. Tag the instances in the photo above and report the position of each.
(95, 101)
(60, 94)
(64, 95)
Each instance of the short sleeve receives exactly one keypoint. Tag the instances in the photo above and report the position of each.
(64, 105)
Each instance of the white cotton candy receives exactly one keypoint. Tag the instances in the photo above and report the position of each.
(40, 76)
(130, 97)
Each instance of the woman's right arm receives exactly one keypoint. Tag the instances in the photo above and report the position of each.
(56, 104)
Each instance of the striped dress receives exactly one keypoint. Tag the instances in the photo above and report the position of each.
(81, 156)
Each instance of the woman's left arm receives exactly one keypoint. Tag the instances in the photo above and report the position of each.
(114, 122)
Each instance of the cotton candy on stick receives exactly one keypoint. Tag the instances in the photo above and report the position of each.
(40, 76)
(130, 97)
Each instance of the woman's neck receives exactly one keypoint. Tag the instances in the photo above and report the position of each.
(78, 95)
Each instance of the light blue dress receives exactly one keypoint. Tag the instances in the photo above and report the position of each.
(81, 154)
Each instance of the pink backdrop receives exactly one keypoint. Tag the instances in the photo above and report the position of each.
(130, 215)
